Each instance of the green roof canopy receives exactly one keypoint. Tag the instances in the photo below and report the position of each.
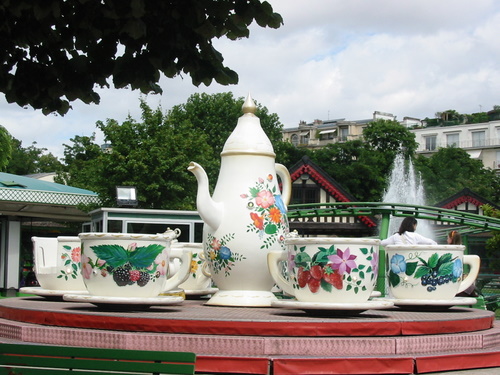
(25, 196)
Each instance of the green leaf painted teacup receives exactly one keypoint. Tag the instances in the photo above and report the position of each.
(130, 265)
(429, 272)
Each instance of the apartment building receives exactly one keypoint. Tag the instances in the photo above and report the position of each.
(320, 133)
(481, 140)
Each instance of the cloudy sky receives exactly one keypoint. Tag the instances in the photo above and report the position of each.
(331, 59)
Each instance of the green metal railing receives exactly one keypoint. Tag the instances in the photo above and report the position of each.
(468, 223)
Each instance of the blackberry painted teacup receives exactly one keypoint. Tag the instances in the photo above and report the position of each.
(131, 265)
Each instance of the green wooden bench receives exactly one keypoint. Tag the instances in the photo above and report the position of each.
(31, 359)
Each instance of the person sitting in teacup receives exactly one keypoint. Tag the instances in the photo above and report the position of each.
(454, 238)
(406, 235)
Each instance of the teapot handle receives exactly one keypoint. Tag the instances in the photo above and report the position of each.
(282, 171)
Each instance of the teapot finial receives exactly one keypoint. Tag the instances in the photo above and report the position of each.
(249, 106)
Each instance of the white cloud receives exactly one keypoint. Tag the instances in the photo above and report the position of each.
(331, 59)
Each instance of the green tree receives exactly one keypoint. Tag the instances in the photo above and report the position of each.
(391, 138)
(54, 52)
(152, 155)
(450, 170)
(493, 243)
(5, 147)
(81, 163)
(31, 159)
(360, 170)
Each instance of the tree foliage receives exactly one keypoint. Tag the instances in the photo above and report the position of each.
(358, 168)
(216, 116)
(153, 154)
(450, 170)
(5, 147)
(32, 159)
(54, 52)
(390, 137)
(493, 243)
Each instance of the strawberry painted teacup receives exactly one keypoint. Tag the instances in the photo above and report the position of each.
(326, 269)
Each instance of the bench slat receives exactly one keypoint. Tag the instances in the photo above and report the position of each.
(72, 351)
(92, 364)
(59, 359)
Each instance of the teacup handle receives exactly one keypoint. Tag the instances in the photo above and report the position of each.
(474, 262)
(205, 270)
(182, 273)
(273, 260)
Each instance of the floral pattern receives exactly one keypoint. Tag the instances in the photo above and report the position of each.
(432, 272)
(221, 257)
(127, 266)
(268, 214)
(331, 268)
(71, 262)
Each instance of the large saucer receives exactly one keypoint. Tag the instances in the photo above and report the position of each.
(48, 293)
(431, 304)
(123, 303)
(242, 298)
(200, 292)
(324, 309)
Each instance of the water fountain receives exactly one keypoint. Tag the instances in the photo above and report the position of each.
(405, 187)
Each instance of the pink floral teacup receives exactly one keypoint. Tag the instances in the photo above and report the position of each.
(57, 263)
(130, 265)
(327, 269)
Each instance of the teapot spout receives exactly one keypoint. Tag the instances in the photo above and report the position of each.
(209, 210)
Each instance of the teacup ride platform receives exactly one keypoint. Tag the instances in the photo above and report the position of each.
(270, 340)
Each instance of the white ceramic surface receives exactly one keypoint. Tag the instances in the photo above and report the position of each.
(429, 272)
(39, 291)
(150, 301)
(57, 263)
(246, 217)
(327, 269)
(360, 306)
(197, 279)
(457, 301)
(130, 265)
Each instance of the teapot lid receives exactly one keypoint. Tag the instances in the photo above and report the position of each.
(248, 137)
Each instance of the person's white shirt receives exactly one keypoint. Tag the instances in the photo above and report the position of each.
(407, 238)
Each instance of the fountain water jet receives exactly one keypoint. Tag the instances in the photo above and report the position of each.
(406, 187)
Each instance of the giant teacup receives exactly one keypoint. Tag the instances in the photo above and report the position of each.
(327, 269)
(131, 265)
(429, 272)
(199, 278)
(57, 263)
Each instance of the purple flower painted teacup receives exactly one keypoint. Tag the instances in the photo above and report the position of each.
(327, 269)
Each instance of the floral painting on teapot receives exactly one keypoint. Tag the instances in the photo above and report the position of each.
(267, 212)
(220, 253)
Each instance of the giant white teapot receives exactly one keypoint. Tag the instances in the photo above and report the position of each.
(246, 217)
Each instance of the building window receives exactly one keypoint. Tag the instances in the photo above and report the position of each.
(304, 138)
(344, 132)
(295, 139)
(478, 139)
(307, 194)
(452, 140)
(430, 143)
